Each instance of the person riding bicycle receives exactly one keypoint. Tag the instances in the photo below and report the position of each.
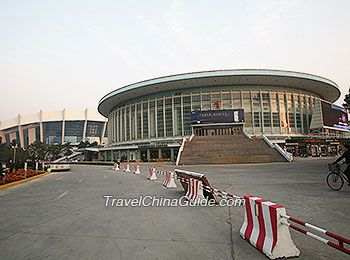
(346, 156)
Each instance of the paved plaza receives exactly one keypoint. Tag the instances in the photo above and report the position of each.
(63, 215)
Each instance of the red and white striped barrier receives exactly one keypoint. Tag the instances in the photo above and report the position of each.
(137, 169)
(126, 168)
(195, 191)
(152, 176)
(115, 167)
(341, 240)
(262, 227)
(169, 181)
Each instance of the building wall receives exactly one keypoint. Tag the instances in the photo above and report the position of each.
(269, 110)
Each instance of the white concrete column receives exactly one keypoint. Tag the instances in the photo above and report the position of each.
(20, 132)
(182, 115)
(164, 122)
(41, 128)
(103, 131)
(130, 133)
(149, 119)
(136, 137)
(63, 125)
(173, 113)
(141, 120)
(85, 124)
(262, 127)
(156, 116)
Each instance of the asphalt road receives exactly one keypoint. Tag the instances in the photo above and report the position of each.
(63, 215)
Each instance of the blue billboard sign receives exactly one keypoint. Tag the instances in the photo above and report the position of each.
(217, 116)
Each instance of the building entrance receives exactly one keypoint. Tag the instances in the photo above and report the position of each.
(217, 130)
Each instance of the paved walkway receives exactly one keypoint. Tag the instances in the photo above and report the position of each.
(63, 215)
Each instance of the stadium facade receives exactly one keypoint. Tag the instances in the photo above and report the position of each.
(149, 119)
(55, 127)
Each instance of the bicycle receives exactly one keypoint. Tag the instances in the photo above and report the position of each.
(335, 179)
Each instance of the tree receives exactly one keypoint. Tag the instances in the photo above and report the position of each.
(66, 149)
(347, 100)
(37, 150)
(2, 145)
(53, 152)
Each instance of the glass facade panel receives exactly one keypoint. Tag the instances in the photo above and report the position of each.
(247, 111)
(73, 131)
(139, 120)
(168, 117)
(236, 99)
(127, 122)
(94, 129)
(196, 103)
(187, 115)
(265, 111)
(160, 118)
(226, 100)
(132, 122)
(177, 116)
(206, 101)
(152, 117)
(52, 132)
(145, 120)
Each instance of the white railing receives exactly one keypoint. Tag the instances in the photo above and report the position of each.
(180, 150)
(248, 136)
(286, 155)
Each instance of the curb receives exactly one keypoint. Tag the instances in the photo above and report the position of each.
(8, 185)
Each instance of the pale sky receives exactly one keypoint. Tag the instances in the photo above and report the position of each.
(69, 54)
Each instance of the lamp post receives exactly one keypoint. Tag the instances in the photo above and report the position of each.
(14, 154)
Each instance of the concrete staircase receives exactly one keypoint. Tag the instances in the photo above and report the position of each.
(227, 149)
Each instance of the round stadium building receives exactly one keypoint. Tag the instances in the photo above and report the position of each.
(56, 127)
(149, 119)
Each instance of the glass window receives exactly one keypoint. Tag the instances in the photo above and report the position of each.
(177, 116)
(52, 132)
(139, 116)
(298, 118)
(94, 129)
(236, 99)
(160, 118)
(226, 100)
(37, 133)
(275, 119)
(257, 119)
(127, 120)
(248, 119)
(256, 101)
(168, 117)
(25, 138)
(145, 120)
(196, 105)
(73, 131)
(206, 102)
(187, 115)
(133, 122)
(152, 118)
(267, 119)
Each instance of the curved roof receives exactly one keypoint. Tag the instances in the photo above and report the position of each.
(325, 88)
(52, 116)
